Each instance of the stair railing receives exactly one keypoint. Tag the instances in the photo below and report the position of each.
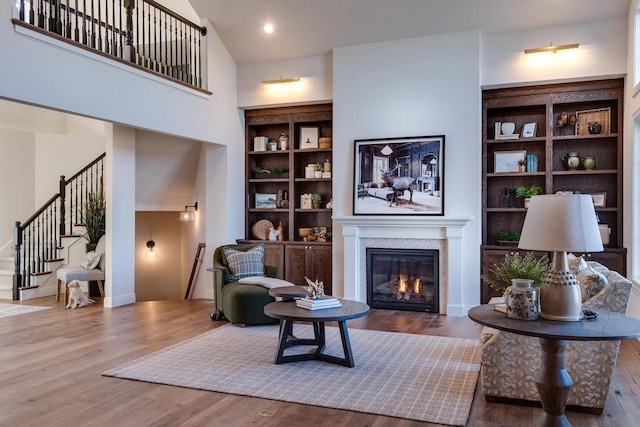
(37, 240)
(139, 31)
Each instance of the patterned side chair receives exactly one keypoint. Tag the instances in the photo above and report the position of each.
(510, 361)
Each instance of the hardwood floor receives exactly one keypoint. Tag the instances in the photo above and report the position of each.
(51, 363)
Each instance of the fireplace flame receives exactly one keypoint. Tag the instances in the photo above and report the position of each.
(417, 285)
(403, 284)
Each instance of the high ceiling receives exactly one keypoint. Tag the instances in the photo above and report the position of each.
(305, 28)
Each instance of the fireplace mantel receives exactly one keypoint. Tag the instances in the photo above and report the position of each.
(447, 231)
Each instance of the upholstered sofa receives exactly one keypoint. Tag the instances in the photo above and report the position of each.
(510, 361)
(240, 303)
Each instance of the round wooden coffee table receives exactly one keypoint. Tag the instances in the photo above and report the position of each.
(552, 380)
(288, 312)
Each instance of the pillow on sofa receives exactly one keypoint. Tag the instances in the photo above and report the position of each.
(576, 264)
(245, 264)
(591, 282)
(91, 260)
(267, 282)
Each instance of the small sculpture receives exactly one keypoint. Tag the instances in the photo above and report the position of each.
(315, 289)
(273, 234)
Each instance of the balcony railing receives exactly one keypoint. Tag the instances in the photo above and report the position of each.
(139, 31)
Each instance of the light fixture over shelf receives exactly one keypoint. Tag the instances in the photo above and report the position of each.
(551, 48)
(281, 80)
(186, 214)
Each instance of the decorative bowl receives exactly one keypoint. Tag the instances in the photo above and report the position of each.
(305, 232)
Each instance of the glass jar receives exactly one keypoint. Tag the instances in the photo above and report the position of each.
(522, 300)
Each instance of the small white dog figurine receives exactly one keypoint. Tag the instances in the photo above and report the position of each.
(77, 298)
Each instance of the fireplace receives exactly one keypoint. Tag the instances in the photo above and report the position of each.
(403, 279)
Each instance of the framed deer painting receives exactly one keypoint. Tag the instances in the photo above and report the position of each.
(399, 176)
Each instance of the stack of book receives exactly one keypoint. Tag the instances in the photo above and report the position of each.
(318, 303)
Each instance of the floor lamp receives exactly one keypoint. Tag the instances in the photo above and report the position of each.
(561, 224)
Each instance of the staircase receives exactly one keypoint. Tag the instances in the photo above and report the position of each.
(50, 238)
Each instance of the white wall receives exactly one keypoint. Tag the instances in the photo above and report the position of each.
(17, 200)
(315, 85)
(414, 87)
(602, 52)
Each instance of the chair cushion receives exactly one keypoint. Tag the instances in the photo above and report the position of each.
(91, 260)
(245, 264)
(79, 273)
(591, 282)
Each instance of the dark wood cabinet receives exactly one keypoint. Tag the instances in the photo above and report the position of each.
(295, 257)
(312, 261)
(545, 107)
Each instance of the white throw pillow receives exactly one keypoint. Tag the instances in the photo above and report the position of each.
(91, 260)
(591, 282)
(576, 264)
(267, 282)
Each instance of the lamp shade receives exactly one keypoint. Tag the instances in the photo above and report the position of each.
(561, 223)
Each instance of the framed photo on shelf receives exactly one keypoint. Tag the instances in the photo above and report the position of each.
(309, 137)
(599, 199)
(399, 176)
(265, 201)
(507, 161)
(529, 130)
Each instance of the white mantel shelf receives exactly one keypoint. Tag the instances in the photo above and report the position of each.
(448, 230)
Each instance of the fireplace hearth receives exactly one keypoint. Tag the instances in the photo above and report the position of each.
(403, 279)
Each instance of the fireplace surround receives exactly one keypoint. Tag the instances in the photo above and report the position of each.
(444, 234)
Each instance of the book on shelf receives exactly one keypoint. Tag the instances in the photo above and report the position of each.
(497, 130)
(512, 136)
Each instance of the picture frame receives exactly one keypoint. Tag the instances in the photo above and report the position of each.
(309, 137)
(265, 201)
(507, 161)
(529, 130)
(599, 199)
(414, 164)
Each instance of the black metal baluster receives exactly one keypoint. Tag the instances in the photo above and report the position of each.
(149, 34)
(166, 57)
(170, 49)
(84, 22)
(32, 13)
(22, 14)
(99, 25)
(77, 30)
(67, 28)
(114, 43)
(138, 32)
(121, 49)
(40, 14)
(93, 27)
(161, 60)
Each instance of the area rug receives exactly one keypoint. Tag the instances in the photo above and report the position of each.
(8, 310)
(417, 377)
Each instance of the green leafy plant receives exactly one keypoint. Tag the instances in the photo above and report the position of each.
(527, 192)
(506, 236)
(516, 266)
(274, 169)
(94, 217)
(318, 167)
(316, 198)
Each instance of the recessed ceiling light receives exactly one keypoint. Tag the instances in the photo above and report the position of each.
(268, 28)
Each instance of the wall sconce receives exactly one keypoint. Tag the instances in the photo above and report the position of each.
(551, 48)
(281, 80)
(150, 252)
(186, 214)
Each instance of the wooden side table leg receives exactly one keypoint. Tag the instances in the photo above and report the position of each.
(553, 383)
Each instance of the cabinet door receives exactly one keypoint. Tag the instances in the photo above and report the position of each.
(295, 267)
(320, 266)
(274, 255)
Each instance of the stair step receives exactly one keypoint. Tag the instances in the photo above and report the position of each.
(22, 288)
(54, 260)
(41, 273)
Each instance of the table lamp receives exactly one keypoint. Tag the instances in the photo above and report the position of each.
(561, 224)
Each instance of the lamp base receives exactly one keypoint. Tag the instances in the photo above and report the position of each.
(560, 297)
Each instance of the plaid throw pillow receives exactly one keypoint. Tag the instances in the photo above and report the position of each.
(245, 264)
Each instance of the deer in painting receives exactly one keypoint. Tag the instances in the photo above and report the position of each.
(399, 184)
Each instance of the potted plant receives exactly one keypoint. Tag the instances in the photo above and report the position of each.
(270, 172)
(94, 219)
(522, 165)
(528, 192)
(508, 238)
(316, 200)
(516, 266)
(317, 170)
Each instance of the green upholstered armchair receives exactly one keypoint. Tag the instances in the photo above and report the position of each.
(240, 304)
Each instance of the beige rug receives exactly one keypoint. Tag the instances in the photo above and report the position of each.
(409, 376)
(8, 310)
